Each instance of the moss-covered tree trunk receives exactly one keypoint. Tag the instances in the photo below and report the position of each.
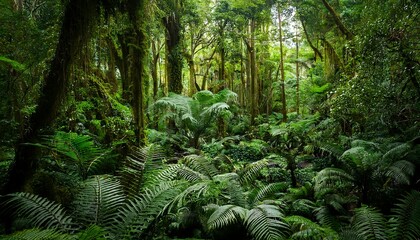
(75, 32)
(137, 53)
(282, 76)
(173, 52)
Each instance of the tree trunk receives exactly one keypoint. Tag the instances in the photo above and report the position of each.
(173, 53)
(77, 21)
(137, 53)
(297, 72)
(283, 92)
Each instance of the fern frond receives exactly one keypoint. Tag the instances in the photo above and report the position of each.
(99, 201)
(92, 232)
(226, 215)
(401, 172)
(260, 194)
(264, 222)
(327, 218)
(304, 228)
(136, 215)
(252, 170)
(80, 149)
(195, 191)
(369, 223)
(215, 109)
(396, 153)
(38, 211)
(34, 233)
(141, 160)
(331, 179)
(200, 164)
(407, 217)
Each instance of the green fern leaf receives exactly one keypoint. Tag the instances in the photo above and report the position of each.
(252, 170)
(39, 211)
(34, 233)
(369, 223)
(99, 201)
(264, 222)
(226, 215)
(406, 223)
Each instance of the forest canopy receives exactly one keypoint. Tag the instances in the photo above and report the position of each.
(210, 119)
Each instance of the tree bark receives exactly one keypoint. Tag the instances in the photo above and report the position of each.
(283, 92)
(173, 53)
(74, 34)
(349, 35)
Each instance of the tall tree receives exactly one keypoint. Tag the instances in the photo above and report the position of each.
(172, 22)
(79, 18)
(282, 90)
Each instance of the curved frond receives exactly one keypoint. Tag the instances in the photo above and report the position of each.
(265, 222)
(226, 215)
(200, 164)
(38, 211)
(304, 228)
(401, 171)
(331, 179)
(80, 149)
(139, 161)
(34, 233)
(327, 218)
(396, 152)
(407, 217)
(251, 171)
(215, 109)
(369, 223)
(92, 232)
(99, 200)
(267, 190)
(136, 215)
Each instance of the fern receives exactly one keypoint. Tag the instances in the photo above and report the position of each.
(264, 222)
(79, 149)
(38, 211)
(99, 201)
(260, 194)
(200, 164)
(251, 171)
(369, 223)
(92, 232)
(135, 216)
(142, 160)
(34, 233)
(406, 223)
(331, 179)
(304, 228)
(226, 215)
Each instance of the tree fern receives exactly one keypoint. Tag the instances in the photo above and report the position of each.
(369, 223)
(38, 211)
(264, 222)
(99, 200)
(406, 217)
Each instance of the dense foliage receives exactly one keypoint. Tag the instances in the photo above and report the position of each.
(222, 119)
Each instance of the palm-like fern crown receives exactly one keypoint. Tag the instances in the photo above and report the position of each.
(195, 114)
